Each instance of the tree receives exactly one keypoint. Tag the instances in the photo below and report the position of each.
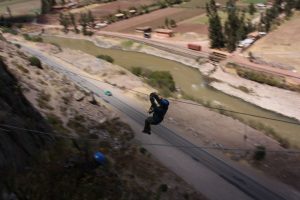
(8, 11)
(167, 22)
(173, 23)
(90, 19)
(73, 22)
(162, 4)
(234, 26)
(297, 5)
(64, 21)
(288, 8)
(251, 9)
(83, 21)
(46, 5)
(242, 30)
(215, 27)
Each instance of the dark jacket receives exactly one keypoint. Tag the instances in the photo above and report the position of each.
(158, 111)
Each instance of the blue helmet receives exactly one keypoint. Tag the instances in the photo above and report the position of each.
(100, 158)
(164, 102)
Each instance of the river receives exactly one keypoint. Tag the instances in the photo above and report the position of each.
(188, 79)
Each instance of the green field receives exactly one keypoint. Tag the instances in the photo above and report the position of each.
(254, 1)
(199, 3)
(20, 7)
(203, 19)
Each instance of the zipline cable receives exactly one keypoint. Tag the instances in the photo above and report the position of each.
(57, 135)
(194, 104)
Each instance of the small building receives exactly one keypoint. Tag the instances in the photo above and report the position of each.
(132, 12)
(144, 29)
(260, 5)
(57, 7)
(246, 43)
(120, 15)
(164, 32)
(254, 35)
(101, 25)
(71, 5)
(261, 34)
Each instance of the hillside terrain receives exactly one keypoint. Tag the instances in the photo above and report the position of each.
(75, 124)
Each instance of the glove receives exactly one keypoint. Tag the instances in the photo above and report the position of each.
(151, 110)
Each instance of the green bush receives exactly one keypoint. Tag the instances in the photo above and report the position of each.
(32, 38)
(143, 150)
(259, 153)
(136, 71)
(163, 187)
(9, 30)
(162, 79)
(106, 57)
(18, 46)
(88, 33)
(127, 44)
(34, 61)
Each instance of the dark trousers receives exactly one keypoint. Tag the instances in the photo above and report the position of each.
(148, 122)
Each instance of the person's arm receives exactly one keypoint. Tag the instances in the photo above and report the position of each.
(153, 97)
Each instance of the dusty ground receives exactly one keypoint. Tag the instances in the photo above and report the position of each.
(271, 98)
(153, 19)
(281, 46)
(223, 132)
(58, 99)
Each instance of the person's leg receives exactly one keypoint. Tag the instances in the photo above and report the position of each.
(147, 127)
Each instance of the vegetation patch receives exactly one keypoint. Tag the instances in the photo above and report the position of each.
(10, 30)
(43, 101)
(56, 123)
(263, 78)
(127, 44)
(34, 61)
(162, 80)
(259, 153)
(32, 38)
(77, 124)
(22, 69)
(269, 131)
(106, 57)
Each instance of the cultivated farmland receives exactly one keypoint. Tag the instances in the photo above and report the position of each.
(282, 45)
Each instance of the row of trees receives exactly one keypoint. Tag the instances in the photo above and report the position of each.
(170, 23)
(46, 6)
(86, 20)
(279, 7)
(236, 27)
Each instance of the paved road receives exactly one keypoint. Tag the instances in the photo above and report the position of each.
(194, 54)
(248, 185)
(158, 44)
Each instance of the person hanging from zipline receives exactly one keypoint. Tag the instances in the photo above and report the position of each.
(158, 111)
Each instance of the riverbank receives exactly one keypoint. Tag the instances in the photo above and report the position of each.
(189, 80)
(198, 124)
(271, 98)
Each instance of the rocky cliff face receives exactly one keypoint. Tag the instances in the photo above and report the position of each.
(17, 145)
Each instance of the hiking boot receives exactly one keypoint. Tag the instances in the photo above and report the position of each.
(147, 131)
